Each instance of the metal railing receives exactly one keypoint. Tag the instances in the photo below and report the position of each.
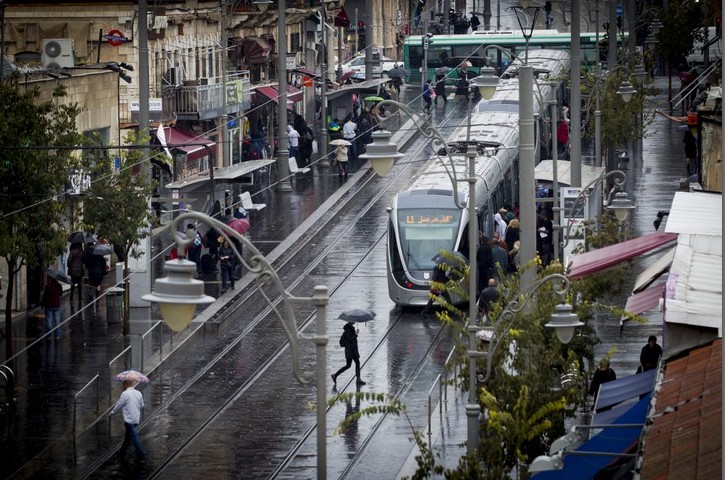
(75, 399)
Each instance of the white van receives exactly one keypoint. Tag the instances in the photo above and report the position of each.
(697, 57)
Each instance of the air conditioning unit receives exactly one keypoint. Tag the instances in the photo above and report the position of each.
(58, 53)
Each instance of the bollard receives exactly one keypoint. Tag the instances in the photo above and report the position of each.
(114, 304)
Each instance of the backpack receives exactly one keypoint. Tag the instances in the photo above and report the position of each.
(343, 340)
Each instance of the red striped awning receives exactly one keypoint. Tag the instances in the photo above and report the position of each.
(194, 146)
(272, 92)
(597, 260)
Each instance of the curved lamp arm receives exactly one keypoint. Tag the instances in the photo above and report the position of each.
(431, 133)
(561, 287)
(620, 178)
(266, 279)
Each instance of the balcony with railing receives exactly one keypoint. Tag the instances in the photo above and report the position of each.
(203, 99)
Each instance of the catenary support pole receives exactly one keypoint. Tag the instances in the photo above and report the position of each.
(473, 409)
(576, 98)
(283, 185)
(320, 299)
(527, 183)
(555, 172)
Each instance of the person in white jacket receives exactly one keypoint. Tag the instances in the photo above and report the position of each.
(131, 403)
(500, 225)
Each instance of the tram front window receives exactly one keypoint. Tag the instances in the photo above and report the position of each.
(424, 233)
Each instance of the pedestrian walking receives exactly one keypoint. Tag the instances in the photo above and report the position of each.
(76, 269)
(349, 129)
(130, 403)
(294, 141)
(50, 301)
(650, 355)
(475, 22)
(690, 142)
(428, 96)
(96, 265)
(226, 263)
(341, 158)
(440, 88)
(349, 341)
(603, 374)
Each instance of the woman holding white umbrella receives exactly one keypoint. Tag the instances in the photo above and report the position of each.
(341, 156)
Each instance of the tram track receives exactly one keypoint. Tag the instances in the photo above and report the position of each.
(235, 335)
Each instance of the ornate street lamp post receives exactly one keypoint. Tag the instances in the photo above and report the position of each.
(178, 295)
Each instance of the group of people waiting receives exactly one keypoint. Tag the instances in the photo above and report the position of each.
(357, 131)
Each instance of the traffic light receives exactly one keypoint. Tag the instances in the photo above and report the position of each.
(619, 22)
(361, 35)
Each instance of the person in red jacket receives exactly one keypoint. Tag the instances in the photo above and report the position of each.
(51, 303)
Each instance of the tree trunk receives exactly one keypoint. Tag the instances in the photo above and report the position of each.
(9, 310)
(126, 297)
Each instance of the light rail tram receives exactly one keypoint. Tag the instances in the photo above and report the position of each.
(424, 218)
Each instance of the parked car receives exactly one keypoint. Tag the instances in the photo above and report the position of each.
(356, 64)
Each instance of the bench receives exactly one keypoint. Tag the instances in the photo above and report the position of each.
(247, 203)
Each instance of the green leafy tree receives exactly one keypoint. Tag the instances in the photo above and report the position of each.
(117, 206)
(31, 231)
(616, 129)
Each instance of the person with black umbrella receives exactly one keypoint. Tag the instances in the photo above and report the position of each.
(348, 340)
(76, 269)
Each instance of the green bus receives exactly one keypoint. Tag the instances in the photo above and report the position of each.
(451, 50)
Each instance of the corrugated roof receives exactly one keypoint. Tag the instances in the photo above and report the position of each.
(684, 439)
(697, 213)
(653, 272)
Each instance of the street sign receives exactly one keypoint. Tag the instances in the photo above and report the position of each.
(426, 41)
(115, 38)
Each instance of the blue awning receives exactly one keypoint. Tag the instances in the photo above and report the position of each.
(608, 417)
(612, 393)
(579, 465)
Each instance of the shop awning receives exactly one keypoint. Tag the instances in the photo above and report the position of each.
(597, 260)
(367, 85)
(192, 145)
(272, 92)
(617, 441)
(240, 169)
(225, 174)
(653, 272)
(626, 388)
(645, 300)
(544, 172)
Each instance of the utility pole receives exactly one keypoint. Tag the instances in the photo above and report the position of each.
(222, 121)
(282, 150)
(369, 40)
(325, 162)
(576, 98)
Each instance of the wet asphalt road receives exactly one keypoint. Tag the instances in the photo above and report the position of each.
(225, 404)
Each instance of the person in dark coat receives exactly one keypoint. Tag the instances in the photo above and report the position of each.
(76, 269)
(51, 303)
(484, 263)
(650, 355)
(690, 142)
(440, 87)
(96, 265)
(226, 263)
(488, 296)
(349, 339)
(603, 374)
